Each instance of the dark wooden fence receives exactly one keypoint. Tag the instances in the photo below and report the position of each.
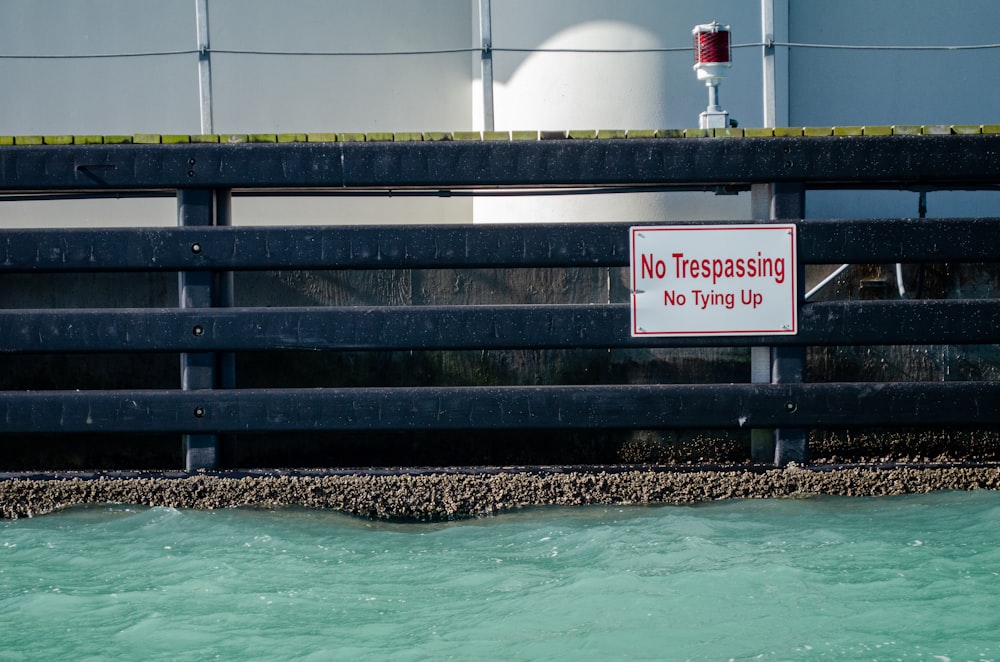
(206, 248)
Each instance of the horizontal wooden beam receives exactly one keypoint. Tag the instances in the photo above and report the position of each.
(715, 406)
(891, 160)
(974, 321)
(457, 246)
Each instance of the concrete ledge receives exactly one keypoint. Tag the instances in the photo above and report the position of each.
(445, 495)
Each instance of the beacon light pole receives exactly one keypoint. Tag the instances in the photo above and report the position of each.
(712, 57)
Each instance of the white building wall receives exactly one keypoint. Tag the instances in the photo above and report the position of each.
(883, 87)
(856, 87)
(120, 95)
(336, 93)
(303, 93)
(251, 93)
(652, 86)
(136, 93)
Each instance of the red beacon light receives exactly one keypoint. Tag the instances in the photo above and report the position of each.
(712, 57)
(712, 53)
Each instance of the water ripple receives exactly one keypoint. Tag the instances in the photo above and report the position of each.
(829, 578)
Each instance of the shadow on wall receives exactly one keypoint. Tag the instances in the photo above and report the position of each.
(652, 89)
(568, 89)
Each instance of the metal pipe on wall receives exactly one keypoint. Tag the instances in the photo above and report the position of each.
(774, 29)
(204, 67)
(486, 43)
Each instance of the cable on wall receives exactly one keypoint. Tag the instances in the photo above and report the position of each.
(471, 49)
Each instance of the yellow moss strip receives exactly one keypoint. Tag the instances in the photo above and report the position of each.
(525, 135)
(610, 134)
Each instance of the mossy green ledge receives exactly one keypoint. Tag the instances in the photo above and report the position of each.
(516, 135)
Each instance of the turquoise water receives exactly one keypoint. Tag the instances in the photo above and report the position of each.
(827, 578)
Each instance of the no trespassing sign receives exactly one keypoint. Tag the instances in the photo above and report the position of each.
(713, 280)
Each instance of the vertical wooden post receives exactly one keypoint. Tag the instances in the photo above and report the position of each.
(202, 289)
(761, 439)
(788, 364)
(777, 365)
(224, 289)
(224, 297)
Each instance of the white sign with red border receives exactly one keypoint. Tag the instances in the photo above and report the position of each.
(714, 280)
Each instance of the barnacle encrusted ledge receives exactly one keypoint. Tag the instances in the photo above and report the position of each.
(456, 495)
